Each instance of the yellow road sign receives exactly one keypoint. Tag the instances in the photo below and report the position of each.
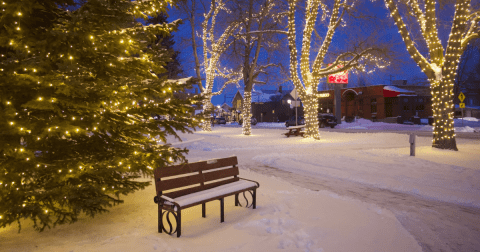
(461, 97)
(462, 105)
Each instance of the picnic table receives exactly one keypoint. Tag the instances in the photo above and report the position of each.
(295, 131)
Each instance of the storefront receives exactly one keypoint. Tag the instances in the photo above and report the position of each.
(379, 102)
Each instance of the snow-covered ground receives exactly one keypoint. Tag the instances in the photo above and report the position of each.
(288, 217)
(469, 124)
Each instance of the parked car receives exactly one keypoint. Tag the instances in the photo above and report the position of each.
(253, 121)
(327, 120)
(220, 120)
(291, 121)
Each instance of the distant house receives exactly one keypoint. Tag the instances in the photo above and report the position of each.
(237, 106)
(267, 105)
(224, 111)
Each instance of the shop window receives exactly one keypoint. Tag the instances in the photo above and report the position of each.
(420, 107)
(373, 101)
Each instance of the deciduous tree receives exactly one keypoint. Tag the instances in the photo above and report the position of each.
(441, 61)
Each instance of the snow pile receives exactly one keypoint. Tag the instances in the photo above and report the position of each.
(464, 129)
(271, 125)
(471, 119)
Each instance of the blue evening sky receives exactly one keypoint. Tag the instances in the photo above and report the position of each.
(402, 67)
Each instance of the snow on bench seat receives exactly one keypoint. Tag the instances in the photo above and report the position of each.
(214, 192)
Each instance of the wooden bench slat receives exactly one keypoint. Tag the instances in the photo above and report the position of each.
(230, 172)
(183, 192)
(179, 182)
(177, 169)
(194, 167)
(221, 162)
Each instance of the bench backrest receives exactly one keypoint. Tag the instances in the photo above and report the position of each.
(196, 176)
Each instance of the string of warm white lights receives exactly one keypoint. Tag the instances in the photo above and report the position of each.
(91, 100)
(247, 114)
(443, 64)
(212, 50)
(307, 84)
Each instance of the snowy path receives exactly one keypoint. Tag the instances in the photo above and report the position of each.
(437, 226)
(435, 195)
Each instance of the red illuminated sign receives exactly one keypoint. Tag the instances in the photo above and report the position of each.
(339, 78)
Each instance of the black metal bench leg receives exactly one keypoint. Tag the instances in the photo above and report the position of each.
(222, 219)
(236, 199)
(203, 210)
(179, 223)
(160, 219)
(254, 204)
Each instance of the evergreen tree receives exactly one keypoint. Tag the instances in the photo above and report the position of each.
(76, 91)
(173, 66)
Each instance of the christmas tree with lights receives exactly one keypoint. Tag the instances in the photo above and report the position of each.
(79, 83)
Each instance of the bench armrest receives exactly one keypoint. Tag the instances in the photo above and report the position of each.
(167, 198)
(258, 185)
(171, 202)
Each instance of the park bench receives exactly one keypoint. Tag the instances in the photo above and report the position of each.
(207, 181)
(295, 131)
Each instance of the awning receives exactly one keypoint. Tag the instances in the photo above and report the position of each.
(392, 91)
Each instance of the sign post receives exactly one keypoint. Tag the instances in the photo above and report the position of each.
(339, 79)
(461, 97)
(295, 95)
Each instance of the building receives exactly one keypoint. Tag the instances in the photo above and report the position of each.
(224, 111)
(267, 105)
(380, 102)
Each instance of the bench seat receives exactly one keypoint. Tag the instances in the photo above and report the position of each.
(195, 198)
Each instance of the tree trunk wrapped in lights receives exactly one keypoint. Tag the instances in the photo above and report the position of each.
(442, 64)
(310, 76)
(247, 114)
(212, 51)
(259, 23)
